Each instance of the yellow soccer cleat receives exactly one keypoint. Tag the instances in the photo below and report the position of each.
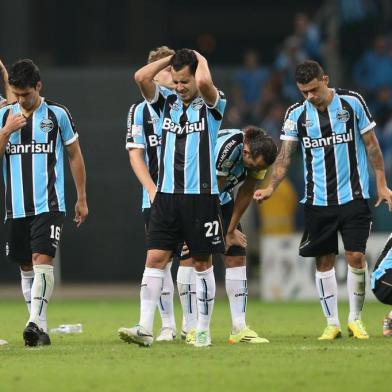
(331, 332)
(357, 330)
(190, 337)
(246, 335)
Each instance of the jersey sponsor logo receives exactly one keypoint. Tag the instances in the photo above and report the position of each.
(174, 106)
(154, 140)
(289, 125)
(153, 120)
(342, 115)
(328, 141)
(33, 148)
(224, 154)
(46, 125)
(170, 126)
(308, 124)
(197, 104)
(136, 130)
(130, 116)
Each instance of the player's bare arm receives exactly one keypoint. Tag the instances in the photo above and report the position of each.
(241, 203)
(377, 162)
(279, 171)
(145, 75)
(10, 96)
(141, 171)
(78, 171)
(14, 122)
(204, 82)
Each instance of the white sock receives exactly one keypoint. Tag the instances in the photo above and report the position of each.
(237, 291)
(356, 288)
(327, 288)
(41, 292)
(150, 292)
(26, 281)
(165, 303)
(186, 284)
(205, 291)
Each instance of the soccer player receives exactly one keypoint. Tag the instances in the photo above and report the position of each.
(337, 138)
(242, 157)
(381, 283)
(143, 143)
(186, 206)
(33, 134)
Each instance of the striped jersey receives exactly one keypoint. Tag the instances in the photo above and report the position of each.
(143, 132)
(33, 165)
(384, 263)
(334, 155)
(229, 161)
(189, 135)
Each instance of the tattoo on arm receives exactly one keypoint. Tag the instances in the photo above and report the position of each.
(375, 157)
(282, 162)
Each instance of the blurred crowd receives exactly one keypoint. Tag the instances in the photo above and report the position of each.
(354, 54)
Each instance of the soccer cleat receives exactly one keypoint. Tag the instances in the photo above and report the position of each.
(190, 337)
(387, 326)
(35, 336)
(202, 339)
(331, 332)
(183, 334)
(167, 334)
(137, 335)
(246, 335)
(357, 330)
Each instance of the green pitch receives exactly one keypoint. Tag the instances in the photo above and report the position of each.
(97, 360)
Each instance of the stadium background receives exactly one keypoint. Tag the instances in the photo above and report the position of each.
(87, 52)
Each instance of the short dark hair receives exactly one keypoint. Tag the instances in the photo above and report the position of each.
(24, 73)
(182, 58)
(307, 71)
(260, 143)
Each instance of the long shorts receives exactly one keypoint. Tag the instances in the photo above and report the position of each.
(195, 219)
(34, 234)
(353, 220)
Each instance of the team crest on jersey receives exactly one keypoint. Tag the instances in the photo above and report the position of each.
(342, 115)
(136, 130)
(197, 104)
(46, 125)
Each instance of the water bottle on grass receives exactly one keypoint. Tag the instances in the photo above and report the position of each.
(68, 328)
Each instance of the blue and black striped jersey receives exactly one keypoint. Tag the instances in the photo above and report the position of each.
(335, 159)
(189, 135)
(384, 263)
(143, 132)
(229, 162)
(33, 165)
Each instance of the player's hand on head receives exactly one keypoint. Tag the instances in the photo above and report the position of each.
(384, 195)
(262, 194)
(236, 238)
(15, 121)
(81, 212)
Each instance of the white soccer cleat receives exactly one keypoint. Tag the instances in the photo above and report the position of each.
(167, 334)
(202, 339)
(137, 335)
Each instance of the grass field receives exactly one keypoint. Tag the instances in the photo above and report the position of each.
(98, 361)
